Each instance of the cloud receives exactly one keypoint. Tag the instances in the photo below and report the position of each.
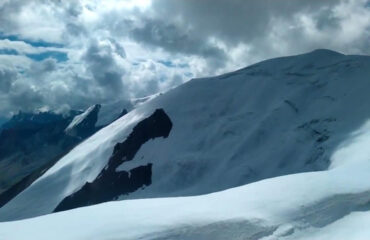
(7, 77)
(171, 38)
(257, 23)
(62, 54)
(25, 97)
(101, 62)
(22, 47)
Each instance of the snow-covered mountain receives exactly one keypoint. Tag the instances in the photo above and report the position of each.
(292, 115)
(83, 125)
(97, 116)
(30, 143)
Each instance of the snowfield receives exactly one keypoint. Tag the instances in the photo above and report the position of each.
(275, 151)
(319, 205)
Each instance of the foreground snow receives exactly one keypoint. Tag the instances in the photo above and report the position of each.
(300, 206)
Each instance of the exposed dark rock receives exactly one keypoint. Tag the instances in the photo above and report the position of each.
(123, 113)
(110, 183)
(322, 138)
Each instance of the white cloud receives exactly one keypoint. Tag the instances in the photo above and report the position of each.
(138, 47)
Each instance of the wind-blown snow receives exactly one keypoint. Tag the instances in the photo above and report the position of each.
(282, 116)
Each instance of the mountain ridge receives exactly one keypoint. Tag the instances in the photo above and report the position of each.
(299, 106)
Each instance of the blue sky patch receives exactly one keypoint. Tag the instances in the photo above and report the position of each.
(167, 63)
(59, 56)
(170, 64)
(30, 42)
(8, 52)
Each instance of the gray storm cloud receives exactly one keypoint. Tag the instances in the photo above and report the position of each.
(101, 63)
(87, 52)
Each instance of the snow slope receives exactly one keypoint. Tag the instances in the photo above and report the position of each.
(299, 206)
(277, 117)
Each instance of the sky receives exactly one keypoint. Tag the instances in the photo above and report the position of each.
(58, 55)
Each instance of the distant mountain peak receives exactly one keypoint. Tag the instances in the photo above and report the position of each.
(84, 124)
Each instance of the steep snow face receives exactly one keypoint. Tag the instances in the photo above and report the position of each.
(277, 117)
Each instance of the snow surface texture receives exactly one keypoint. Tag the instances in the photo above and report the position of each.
(300, 206)
(278, 117)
